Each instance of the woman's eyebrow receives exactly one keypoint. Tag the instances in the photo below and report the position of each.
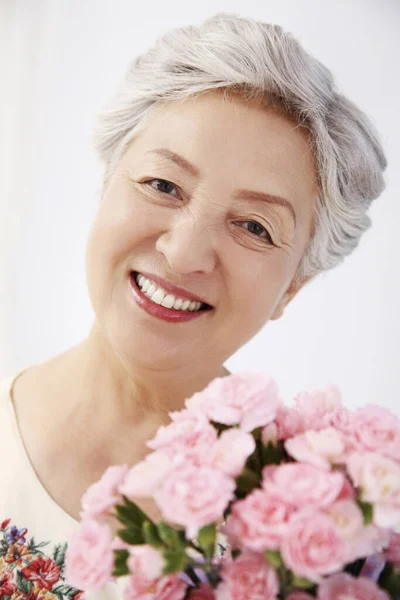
(239, 194)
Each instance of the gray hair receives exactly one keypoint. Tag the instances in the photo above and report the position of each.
(261, 61)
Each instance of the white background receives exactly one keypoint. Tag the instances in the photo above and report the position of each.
(61, 60)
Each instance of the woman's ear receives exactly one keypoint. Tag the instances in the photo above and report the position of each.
(293, 289)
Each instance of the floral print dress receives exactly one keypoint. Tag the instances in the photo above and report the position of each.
(34, 530)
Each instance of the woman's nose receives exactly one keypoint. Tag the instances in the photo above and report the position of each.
(188, 246)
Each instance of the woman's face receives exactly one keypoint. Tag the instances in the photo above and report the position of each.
(181, 213)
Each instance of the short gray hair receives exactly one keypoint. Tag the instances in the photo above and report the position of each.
(261, 60)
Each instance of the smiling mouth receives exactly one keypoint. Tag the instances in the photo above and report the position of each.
(158, 295)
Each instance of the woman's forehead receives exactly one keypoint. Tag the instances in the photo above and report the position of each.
(218, 137)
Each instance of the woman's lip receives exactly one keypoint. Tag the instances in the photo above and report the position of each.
(156, 310)
(173, 289)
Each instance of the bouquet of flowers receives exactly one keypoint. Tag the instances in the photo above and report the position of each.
(260, 500)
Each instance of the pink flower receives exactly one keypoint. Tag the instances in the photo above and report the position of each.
(392, 554)
(318, 408)
(319, 448)
(347, 492)
(204, 592)
(378, 478)
(194, 496)
(144, 478)
(230, 452)
(101, 497)
(248, 399)
(145, 561)
(313, 546)
(377, 429)
(190, 433)
(89, 557)
(249, 576)
(347, 516)
(270, 434)
(367, 541)
(303, 485)
(169, 587)
(258, 522)
(290, 422)
(299, 596)
(343, 585)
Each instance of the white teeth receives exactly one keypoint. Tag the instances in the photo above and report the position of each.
(178, 303)
(185, 304)
(159, 296)
(151, 290)
(168, 301)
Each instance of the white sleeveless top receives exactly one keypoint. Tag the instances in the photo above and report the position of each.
(33, 528)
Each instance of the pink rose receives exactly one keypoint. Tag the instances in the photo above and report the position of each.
(318, 408)
(270, 434)
(89, 556)
(169, 587)
(204, 592)
(343, 585)
(144, 478)
(230, 452)
(378, 478)
(248, 399)
(367, 541)
(377, 429)
(249, 576)
(392, 554)
(190, 433)
(347, 516)
(101, 497)
(194, 496)
(313, 546)
(302, 484)
(347, 492)
(290, 422)
(320, 448)
(145, 561)
(258, 522)
(299, 596)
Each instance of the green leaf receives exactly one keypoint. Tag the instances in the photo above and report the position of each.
(150, 534)
(130, 514)
(206, 539)
(389, 580)
(302, 582)
(23, 584)
(131, 535)
(120, 566)
(140, 516)
(256, 433)
(220, 427)
(169, 535)
(272, 454)
(274, 558)
(175, 561)
(59, 554)
(367, 510)
(247, 480)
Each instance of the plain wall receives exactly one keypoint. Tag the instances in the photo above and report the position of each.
(61, 60)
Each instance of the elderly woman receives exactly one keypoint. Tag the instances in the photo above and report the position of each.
(234, 173)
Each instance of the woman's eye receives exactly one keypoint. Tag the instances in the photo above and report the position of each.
(258, 230)
(163, 186)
